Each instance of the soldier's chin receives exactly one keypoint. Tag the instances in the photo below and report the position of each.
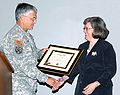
(31, 28)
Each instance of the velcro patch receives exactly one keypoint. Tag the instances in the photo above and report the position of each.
(18, 49)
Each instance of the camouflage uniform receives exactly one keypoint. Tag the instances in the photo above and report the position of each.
(20, 49)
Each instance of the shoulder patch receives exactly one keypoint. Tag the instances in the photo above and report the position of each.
(19, 46)
(19, 42)
(18, 49)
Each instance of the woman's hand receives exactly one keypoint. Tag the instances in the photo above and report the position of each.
(90, 88)
(60, 82)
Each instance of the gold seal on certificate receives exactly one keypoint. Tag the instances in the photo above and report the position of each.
(59, 60)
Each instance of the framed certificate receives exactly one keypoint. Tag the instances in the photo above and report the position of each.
(59, 60)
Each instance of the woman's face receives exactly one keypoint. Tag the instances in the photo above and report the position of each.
(88, 30)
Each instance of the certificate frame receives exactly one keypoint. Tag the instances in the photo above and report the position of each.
(59, 60)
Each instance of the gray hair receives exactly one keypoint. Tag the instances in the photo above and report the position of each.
(22, 9)
(99, 26)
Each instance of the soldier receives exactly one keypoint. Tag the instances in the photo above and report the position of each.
(20, 49)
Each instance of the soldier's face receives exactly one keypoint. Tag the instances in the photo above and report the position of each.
(29, 19)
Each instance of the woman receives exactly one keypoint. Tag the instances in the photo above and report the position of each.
(97, 65)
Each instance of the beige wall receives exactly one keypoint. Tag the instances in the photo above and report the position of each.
(60, 22)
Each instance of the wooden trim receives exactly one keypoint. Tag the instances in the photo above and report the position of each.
(5, 60)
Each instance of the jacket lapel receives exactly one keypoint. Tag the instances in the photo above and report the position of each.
(92, 53)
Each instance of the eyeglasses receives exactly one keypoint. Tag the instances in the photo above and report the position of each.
(31, 18)
(86, 28)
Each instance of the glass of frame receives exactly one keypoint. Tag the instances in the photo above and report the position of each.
(59, 60)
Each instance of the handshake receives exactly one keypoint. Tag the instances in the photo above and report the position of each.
(56, 84)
